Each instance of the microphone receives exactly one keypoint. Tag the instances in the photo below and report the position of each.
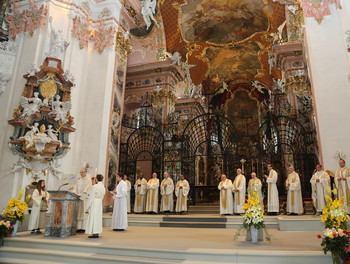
(64, 184)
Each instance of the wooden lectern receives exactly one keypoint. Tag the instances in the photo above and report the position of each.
(63, 214)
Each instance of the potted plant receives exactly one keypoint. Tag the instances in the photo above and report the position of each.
(14, 212)
(5, 229)
(335, 238)
(253, 218)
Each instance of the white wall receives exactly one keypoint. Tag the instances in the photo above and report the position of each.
(329, 64)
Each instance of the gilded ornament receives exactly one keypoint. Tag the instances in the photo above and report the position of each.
(48, 88)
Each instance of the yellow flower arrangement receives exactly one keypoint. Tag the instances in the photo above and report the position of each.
(15, 209)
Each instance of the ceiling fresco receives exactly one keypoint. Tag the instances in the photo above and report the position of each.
(226, 40)
(236, 63)
(223, 22)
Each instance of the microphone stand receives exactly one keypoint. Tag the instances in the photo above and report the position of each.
(64, 184)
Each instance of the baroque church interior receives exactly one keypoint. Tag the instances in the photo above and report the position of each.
(198, 88)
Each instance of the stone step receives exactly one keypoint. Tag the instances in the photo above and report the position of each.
(195, 219)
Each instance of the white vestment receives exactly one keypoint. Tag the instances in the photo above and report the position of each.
(273, 204)
(38, 219)
(343, 186)
(140, 195)
(294, 197)
(239, 185)
(254, 185)
(152, 195)
(95, 209)
(120, 214)
(167, 193)
(226, 198)
(319, 189)
(181, 194)
(128, 196)
(82, 188)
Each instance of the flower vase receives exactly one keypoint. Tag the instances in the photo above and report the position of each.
(336, 258)
(254, 234)
(15, 228)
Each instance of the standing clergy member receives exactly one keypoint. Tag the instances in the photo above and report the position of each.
(152, 194)
(294, 197)
(125, 178)
(342, 181)
(120, 213)
(181, 191)
(167, 190)
(82, 188)
(95, 208)
(226, 199)
(140, 194)
(272, 191)
(239, 190)
(40, 199)
(254, 185)
(320, 181)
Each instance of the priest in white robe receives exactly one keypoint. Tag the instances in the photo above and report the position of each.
(129, 190)
(94, 224)
(239, 189)
(226, 198)
(273, 206)
(82, 188)
(167, 192)
(152, 194)
(342, 182)
(320, 182)
(120, 213)
(140, 194)
(294, 196)
(254, 185)
(181, 191)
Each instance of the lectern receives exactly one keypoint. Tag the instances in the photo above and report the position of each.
(63, 214)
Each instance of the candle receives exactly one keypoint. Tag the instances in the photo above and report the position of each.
(46, 172)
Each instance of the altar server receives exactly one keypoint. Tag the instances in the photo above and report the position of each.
(320, 182)
(120, 213)
(181, 191)
(140, 194)
(82, 188)
(152, 194)
(294, 197)
(254, 185)
(272, 191)
(342, 182)
(226, 199)
(129, 190)
(95, 208)
(40, 199)
(239, 189)
(167, 192)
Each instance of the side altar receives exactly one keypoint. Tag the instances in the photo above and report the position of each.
(63, 217)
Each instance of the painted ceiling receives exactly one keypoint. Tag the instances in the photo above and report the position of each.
(227, 40)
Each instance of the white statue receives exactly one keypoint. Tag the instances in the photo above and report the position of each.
(34, 70)
(175, 57)
(22, 163)
(187, 72)
(52, 167)
(195, 91)
(30, 105)
(32, 132)
(280, 84)
(58, 45)
(223, 88)
(277, 37)
(52, 133)
(259, 86)
(148, 11)
(60, 109)
(158, 89)
(69, 76)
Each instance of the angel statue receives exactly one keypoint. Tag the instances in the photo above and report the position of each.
(148, 10)
(175, 57)
(51, 133)
(30, 105)
(29, 136)
(259, 86)
(60, 109)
